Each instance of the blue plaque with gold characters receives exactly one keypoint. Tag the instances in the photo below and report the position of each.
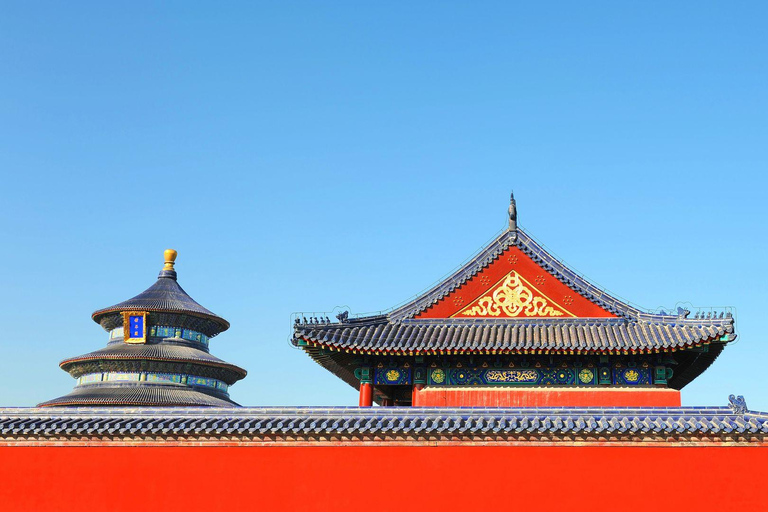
(135, 327)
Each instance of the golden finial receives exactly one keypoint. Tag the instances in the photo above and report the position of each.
(170, 258)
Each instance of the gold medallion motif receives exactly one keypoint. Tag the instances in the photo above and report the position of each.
(514, 296)
(393, 375)
(586, 375)
(438, 376)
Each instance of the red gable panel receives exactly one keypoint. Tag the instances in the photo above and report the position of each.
(514, 286)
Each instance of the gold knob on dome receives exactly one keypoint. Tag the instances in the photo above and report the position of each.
(170, 258)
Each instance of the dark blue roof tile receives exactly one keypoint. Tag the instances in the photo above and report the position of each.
(75, 421)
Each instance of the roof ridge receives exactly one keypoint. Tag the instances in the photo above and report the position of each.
(460, 276)
(304, 410)
(721, 422)
(541, 256)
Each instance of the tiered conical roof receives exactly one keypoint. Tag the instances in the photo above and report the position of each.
(168, 365)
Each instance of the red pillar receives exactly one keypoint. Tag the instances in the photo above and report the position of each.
(366, 394)
(416, 389)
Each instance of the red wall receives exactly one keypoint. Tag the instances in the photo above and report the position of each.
(386, 478)
(547, 397)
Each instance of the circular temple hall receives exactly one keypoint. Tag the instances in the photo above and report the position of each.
(156, 355)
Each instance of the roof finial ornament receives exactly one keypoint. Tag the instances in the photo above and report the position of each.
(512, 213)
(170, 259)
(738, 404)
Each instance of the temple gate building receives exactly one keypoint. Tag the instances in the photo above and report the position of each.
(516, 327)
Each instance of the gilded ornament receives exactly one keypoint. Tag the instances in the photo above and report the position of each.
(135, 326)
(631, 375)
(586, 376)
(511, 376)
(393, 375)
(170, 259)
(438, 376)
(513, 298)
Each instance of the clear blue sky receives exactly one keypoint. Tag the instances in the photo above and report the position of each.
(302, 156)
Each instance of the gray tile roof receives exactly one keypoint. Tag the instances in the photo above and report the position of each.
(733, 420)
(480, 335)
(143, 395)
(631, 330)
(120, 351)
(165, 295)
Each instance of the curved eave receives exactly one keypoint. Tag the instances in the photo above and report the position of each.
(146, 396)
(164, 296)
(697, 366)
(393, 352)
(68, 363)
(341, 369)
(97, 316)
(580, 336)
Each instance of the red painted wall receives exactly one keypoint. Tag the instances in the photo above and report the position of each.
(383, 478)
(546, 397)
